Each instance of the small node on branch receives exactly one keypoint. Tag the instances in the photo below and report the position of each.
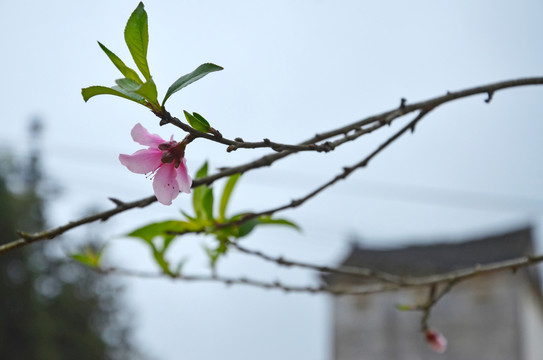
(238, 139)
(267, 141)
(489, 98)
(295, 203)
(231, 148)
(105, 218)
(24, 235)
(215, 132)
(328, 146)
(402, 103)
(116, 201)
(282, 261)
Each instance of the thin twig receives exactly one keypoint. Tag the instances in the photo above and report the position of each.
(343, 270)
(450, 279)
(344, 174)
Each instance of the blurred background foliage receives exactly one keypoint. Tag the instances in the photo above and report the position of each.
(52, 308)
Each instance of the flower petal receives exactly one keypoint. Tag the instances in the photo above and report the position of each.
(142, 136)
(436, 340)
(183, 178)
(142, 161)
(165, 184)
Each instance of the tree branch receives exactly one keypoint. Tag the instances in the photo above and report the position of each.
(359, 127)
(450, 279)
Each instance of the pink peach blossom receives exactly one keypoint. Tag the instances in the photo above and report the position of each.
(162, 160)
(436, 341)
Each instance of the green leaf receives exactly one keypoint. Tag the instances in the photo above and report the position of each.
(90, 256)
(197, 122)
(149, 232)
(189, 78)
(215, 254)
(228, 188)
(247, 227)
(128, 84)
(405, 307)
(148, 91)
(267, 220)
(130, 95)
(83, 259)
(179, 268)
(199, 193)
(202, 172)
(190, 218)
(117, 91)
(136, 36)
(162, 262)
(125, 70)
(207, 204)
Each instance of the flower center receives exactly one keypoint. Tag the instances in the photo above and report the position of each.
(172, 152)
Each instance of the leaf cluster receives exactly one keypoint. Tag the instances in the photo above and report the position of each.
(131, 86)
(225, 229)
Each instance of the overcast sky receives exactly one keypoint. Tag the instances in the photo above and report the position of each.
(292, 68)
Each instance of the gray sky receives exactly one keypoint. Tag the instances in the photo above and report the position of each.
(291, 69)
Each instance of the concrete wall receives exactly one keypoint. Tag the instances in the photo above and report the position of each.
(531, 312)
(480, 318)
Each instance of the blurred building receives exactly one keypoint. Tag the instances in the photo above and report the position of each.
(492, 317)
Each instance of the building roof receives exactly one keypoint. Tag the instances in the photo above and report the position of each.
(441, 257)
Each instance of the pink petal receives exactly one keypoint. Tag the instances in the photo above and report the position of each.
(165, 184)
(142, 161)
(436, 340)
(142, 136)
(183, 178)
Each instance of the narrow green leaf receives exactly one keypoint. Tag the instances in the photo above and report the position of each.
(267, 220)
(201, 119)
(136, 36)
(130, 95)
(149, 232)
(215, 254)
(125, 70)
(179, 268)
(83, 259)
(90, 256)
(197, 123)
(162, 262)
(148, 91)
(207, 204)
(199, 193)
(128, 84)
(190, 218)
(202, 172)
(228, 188)
(117, 91)
(247, 227)
(189, 78)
